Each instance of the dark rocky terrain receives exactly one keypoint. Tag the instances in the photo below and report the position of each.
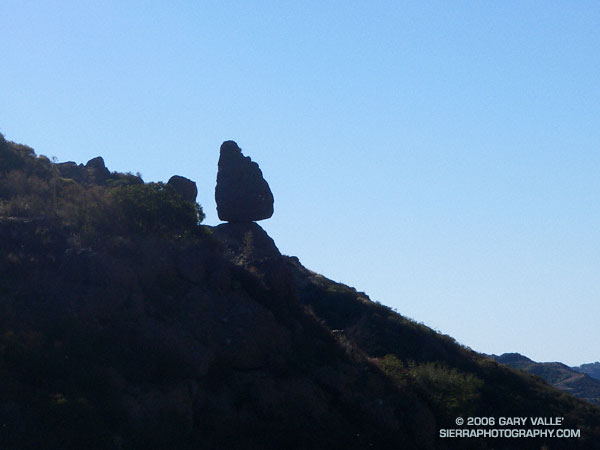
(126, 324)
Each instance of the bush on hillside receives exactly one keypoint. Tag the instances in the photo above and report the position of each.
(155, 208)
(450, 391)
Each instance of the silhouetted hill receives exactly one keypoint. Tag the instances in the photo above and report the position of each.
(559, 375)
(513, 359)
(126, 324)
(591, 369)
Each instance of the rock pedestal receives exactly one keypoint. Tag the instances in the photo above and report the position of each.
(242, 194)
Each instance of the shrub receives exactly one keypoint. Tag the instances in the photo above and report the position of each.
(123, 179)
(21, 157)
(450, 391)
(155, 208)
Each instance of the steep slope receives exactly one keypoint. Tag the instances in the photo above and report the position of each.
(125, 324)
(557, 374)
(455, 380)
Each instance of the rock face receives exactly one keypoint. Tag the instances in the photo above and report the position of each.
(242, 194)
(96, 163)
(184, 186)
(94, 171)
(248, 240)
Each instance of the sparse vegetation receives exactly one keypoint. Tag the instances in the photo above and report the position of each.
(451, 392)
(33, 188)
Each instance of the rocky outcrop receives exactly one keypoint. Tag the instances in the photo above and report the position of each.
(94, 171)
(184, 187)
(248, 240)
(96, 163)
(242, 194)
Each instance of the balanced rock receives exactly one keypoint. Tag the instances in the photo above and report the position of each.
(184, 187)
(242, 194)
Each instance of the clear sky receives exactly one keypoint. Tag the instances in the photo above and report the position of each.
(443, 157)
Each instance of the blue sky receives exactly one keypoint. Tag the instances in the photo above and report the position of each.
(441, 156)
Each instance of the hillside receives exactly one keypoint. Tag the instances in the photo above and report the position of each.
(557, 374)
(126, 324)
(591, 369)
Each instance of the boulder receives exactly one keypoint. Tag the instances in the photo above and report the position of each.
(242, 194)
(184, 187)
(97, 173)
(96, 163)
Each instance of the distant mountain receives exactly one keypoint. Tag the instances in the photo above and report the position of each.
(568, 379)
(591, 369)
